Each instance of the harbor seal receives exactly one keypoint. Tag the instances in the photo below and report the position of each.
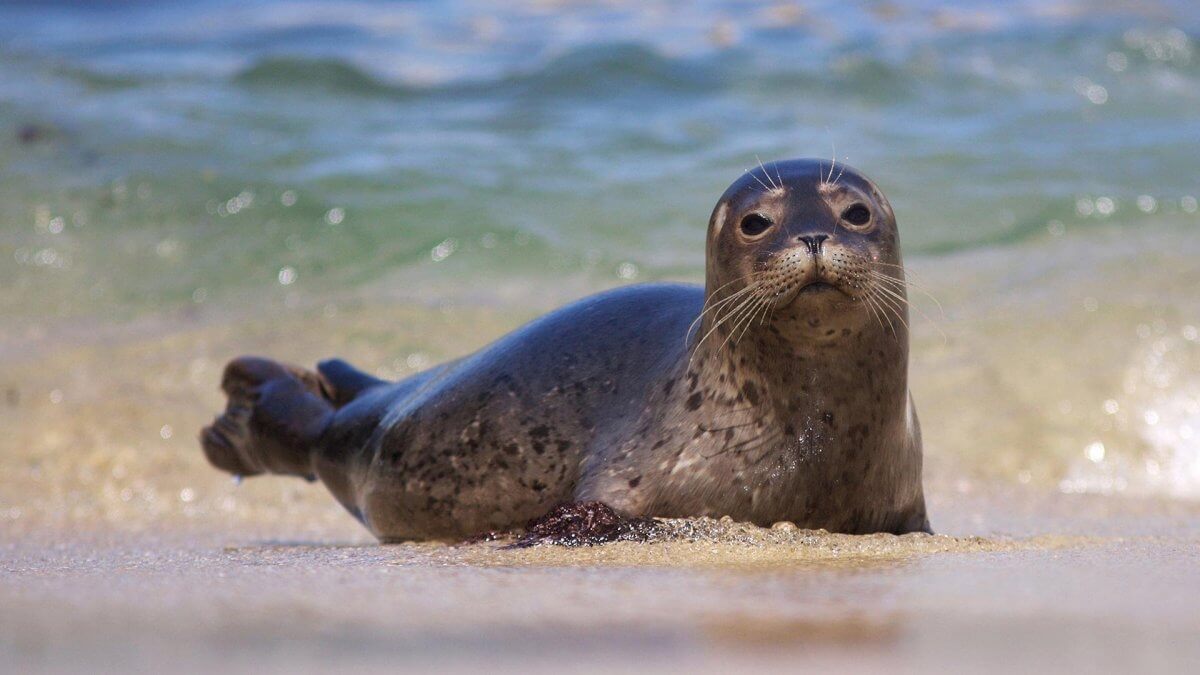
(778, 392)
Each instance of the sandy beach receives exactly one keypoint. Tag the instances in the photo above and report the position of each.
(299, 597)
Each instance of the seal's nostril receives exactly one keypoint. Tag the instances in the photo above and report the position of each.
(814, 242)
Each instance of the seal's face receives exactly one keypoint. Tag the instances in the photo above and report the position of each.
(805, 243)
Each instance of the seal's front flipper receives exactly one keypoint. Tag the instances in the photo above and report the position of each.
(343, 382)
(275, 416)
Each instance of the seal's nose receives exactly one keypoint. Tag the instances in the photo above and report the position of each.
(813, 242)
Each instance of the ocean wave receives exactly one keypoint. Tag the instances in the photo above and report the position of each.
(612, 69)
(301, 73)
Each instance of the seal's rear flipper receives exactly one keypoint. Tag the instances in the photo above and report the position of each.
(343, 382)
(274, 419)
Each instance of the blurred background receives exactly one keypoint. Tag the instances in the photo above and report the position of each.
(398, 183)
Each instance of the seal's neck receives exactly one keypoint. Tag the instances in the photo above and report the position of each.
(795, 371)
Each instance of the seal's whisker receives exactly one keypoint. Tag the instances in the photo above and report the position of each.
(774, 187)
(709, 305)
(763, 302)
(764, 170)
(739, 322)
(745, 313)
(734, 315)
(721, 318)
(896, 297)
(878, 314)
(909, 274)
(871, 308)
(869, 301)
(761, 308)
(770, 314)
(892, 293)
(895, 291)
(768, 309)
(872, 297)
(714, 306)
(887, 313)
(735, 311)
(880, 263)
(887, 277)
(767, 313)
(911, 284)
(764, 185)
(895, 306)
(727, 299)
(905, 283)
(716, 290)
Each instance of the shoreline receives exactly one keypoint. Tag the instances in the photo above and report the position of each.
(310, 596)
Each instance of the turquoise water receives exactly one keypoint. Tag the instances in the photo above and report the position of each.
(219, 160)
(157, 153)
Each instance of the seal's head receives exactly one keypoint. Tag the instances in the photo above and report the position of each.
(806, 246)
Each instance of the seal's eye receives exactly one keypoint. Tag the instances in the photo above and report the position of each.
(755, 224)
(857, 214)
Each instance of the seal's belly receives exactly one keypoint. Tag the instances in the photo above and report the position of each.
(485, 476)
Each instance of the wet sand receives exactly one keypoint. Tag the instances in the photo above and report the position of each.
(201, 594)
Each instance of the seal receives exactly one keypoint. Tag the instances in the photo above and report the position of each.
(778, 392)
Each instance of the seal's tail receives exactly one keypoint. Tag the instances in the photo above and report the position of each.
(274, 419)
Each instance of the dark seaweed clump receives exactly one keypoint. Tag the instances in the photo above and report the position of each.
(585, 524)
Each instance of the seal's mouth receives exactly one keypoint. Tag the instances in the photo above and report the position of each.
(817, 290)
(814, 287)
